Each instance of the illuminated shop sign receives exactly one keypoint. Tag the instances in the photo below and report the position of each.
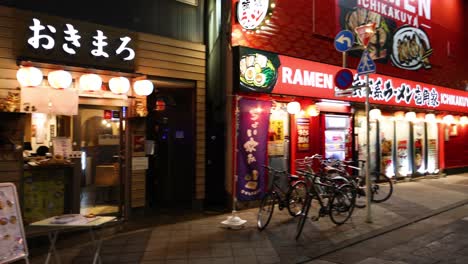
(402, 29)
(46, 40)
(57, 40)
(252, 13)
(264, 72)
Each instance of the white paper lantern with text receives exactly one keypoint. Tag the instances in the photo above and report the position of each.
(29, 76)
(90, 82)
(463, 120)
(293, 108)
(59, 79)
(119, 85)
(143, 87)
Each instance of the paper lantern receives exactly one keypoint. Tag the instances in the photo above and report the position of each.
(29, 76)
(59, 79)
(119, 85)
(375, 114)
(410, 116)
(313, 110)
(90, 82)
(143, 87)
(463, 120)
(448, 119)
(399, 115)
(293, 108)
(431, 118)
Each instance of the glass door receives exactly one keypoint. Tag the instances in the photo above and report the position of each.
(97, 131)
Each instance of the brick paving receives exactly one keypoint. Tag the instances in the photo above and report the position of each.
(203, 240)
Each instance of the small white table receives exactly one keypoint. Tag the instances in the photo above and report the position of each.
(88, 223)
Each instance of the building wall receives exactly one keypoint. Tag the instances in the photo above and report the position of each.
(155, 55)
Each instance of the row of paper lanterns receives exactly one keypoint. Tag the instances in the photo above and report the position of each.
(375, 114)
(294, 108)
(60, 79)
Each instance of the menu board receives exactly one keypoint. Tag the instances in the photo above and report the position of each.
(12, 238)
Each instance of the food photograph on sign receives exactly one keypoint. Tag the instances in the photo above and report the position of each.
(258, 70)
(401, 34)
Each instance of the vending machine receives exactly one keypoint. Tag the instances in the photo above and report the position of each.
(336, 136)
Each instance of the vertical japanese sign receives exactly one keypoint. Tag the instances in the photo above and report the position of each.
(303, 134)
(252, 140)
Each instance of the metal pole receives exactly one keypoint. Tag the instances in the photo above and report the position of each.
(344, 60)
(368, 182)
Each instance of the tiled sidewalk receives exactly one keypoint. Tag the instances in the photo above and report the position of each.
(203, 240)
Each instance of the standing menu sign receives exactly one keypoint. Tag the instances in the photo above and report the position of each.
(12, 238)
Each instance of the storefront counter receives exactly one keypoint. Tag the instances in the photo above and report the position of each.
(49, 190)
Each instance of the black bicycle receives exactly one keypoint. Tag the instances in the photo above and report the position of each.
(335, 198)
(293, 198)
(381, 184)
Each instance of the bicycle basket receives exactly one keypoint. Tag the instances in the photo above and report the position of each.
(310, 164)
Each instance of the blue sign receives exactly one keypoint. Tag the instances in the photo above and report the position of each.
(343, 79)
(344, 40)
(366, 65)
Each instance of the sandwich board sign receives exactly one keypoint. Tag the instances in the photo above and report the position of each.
(12, 237)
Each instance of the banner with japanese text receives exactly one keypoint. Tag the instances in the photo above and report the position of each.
(265, 72)
(252, 141)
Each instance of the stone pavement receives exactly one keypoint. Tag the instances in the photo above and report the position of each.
(440, 239)
(203, 240)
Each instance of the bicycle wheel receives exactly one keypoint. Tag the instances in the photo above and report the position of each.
(296, 197)
(266, 210)
(303, 216)
(342, 204)
(382, 187)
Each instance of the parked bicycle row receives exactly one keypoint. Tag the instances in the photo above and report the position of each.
(322, 187)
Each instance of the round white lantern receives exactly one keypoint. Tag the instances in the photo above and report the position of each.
(313, 110)
(463, 120)
(448, 119)
(59, 79)
(293, 108)
(375, 114)
(90, 82)
(431, 118)
(410, 116)
(119, 85)
(143, 87)
(29, 76)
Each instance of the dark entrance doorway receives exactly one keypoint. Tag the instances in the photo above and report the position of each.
(172, 127)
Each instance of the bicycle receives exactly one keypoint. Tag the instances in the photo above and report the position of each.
(381, 188)
(341, 197)
(292, 199)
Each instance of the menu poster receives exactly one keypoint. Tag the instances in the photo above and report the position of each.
(12, 238)
(62, 146)
(432, 155)
(303, 134)
(386, 150)
(402, 156)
